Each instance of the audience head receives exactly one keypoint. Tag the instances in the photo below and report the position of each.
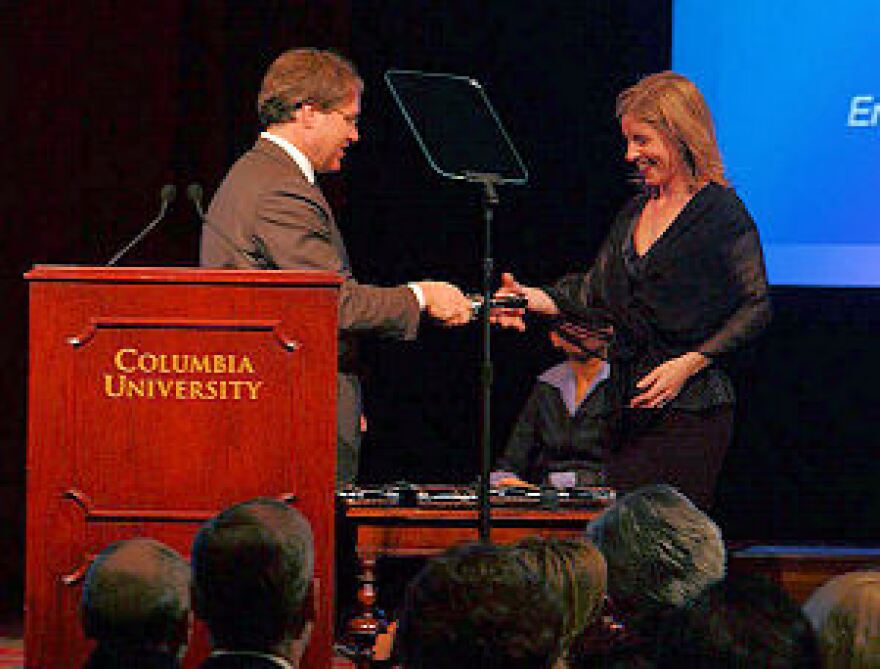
(479, 606)
(674, 106)
(845, 612)
(137, 596)
(661, 552)
(252, 569)
(742, 621)
(575, 571)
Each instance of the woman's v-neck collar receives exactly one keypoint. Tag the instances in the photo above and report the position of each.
(675, 223)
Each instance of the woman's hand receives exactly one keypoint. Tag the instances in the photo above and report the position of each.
(663, 383)
(536, 300)
(514, 482)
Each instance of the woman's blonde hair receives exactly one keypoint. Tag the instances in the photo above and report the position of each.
(674, 106)
(575, 570)
(845, 612)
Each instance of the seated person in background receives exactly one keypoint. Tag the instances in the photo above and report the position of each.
(575, 570)
(479, 606)
(562, 431)
(742, 621)
(661, 552)
(252, 571)
(136, 605)
(845, 612)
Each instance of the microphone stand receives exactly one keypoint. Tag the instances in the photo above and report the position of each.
(490, 200)
(260, 256)
(166, 197)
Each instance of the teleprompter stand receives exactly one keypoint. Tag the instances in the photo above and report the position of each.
(463, 139)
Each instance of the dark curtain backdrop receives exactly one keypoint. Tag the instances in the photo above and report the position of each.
(106, 101)
(552, 71)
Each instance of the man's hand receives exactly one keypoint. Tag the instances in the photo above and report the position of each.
(446, 303)
(663, 383)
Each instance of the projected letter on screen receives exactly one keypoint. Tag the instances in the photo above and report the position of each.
(796, 101)
(863, 112)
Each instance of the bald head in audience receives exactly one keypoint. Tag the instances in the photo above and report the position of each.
(136, 605)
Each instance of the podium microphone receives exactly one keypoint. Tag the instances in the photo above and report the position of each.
(166, 197)
(195, 194)
(260, 256)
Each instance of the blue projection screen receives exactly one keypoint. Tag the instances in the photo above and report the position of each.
(794, 86)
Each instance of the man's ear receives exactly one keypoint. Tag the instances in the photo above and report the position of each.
(307, 115)
(307, 622)
(309, 613)
(196, 601)
(183, 635)
(310, 605)
(298, 646)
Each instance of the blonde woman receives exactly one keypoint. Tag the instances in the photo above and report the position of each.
(682, 277)
(845, 612)
(575, 570)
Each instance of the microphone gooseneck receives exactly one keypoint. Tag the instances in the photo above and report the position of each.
(166, 196)
(167, 193)
(259, 257)
(195, 193)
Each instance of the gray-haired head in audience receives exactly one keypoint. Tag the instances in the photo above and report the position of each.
(661, 552)
(136, 596)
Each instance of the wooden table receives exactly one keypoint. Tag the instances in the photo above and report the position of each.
(423, 531)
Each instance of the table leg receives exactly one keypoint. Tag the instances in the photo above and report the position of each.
(365, 626)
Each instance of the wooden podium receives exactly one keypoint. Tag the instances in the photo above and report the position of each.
(157, 397)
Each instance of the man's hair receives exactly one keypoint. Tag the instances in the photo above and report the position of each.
(845, 612)
(252, 568)
(479, 606)
(305, 76)
(674, 106)
(742, 621)
(576, 571)
(137, 594)
(661, 552)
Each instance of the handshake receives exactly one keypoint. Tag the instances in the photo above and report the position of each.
(446, 303)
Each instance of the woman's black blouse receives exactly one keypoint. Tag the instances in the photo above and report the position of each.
(700, 287)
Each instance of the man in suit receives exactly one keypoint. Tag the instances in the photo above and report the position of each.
(252, 571)
(270, 206)
(136, 605)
